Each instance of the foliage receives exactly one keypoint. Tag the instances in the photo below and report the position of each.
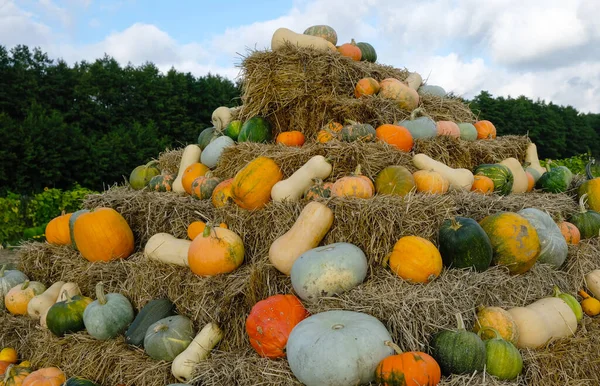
(576, 163)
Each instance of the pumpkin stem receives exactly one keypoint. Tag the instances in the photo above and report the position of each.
(100, 293)
(207, 230)
(460, 323)
(480, 308)
(455, 224)
(588, 169)
(66, 296)
(8, 374)
(358, 170)
(556, 291)
(414, 113)
(583, 294)
(25, 285)
(394, 346)
(2, 269)
(353, 42)
(582, 202)
(161, 327)
(492, 329)
(548, 165)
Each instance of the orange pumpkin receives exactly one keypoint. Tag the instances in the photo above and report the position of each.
(3, 366)
(350, 50)
(429, 181)
(570, 232)
(291, 138)
(103, 235)
(394, 89)
(333, 126)
(324, 136)
(530, 181)
(251, 186)
(18, 297)
(485, 130)
(15, 375)
(396, 136)
(356, 185)
(415, 259)
(57, 230)
(448, 128)
(192, 172)
(222, 193)
(412, 368)
(49, 376)
(8, 354)
(203, 186)
(216, 251)
(366, 86)
(482, 184)
(318, 190)
(197, 227)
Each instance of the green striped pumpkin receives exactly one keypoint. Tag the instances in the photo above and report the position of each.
(500, 174)
(323, 31)
(368, 52)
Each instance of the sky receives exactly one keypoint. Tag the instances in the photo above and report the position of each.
(543, 49)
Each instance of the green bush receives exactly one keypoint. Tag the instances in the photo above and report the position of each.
(576, 164)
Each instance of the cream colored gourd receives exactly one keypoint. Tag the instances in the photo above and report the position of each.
(306, 233)
(531, 157)
(519, 175)
(183, 365)
(283, 35)
(191, 154)
(592, 282)
(68, 288)
(533, 331)
(414, 80)
(221, 118)
(40, 304)
(460, 179)
(167, 249)
(292, 188)
(560, 318)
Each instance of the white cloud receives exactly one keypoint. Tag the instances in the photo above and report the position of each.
(19, 27)
(55, 12)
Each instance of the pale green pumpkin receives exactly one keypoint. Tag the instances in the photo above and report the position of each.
(168, 337)
(107, 316)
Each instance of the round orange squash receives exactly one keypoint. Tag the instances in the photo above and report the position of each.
(350, 50)
(356, 185)
(415, 259)
(407, 98)
(18, 297)
(448, 128)
(429, 181)
(515, 241)
(216, 251)
(482, 184)
(498, 319)
(57, 230)
(192, 172)
(251, 186)
(412, 368)
(291, 138)
(49, 376)
(485, 130)
(569, 232)
(221, 195)
(366, 86)
(530, 181)
(396, 136)
(197, 227)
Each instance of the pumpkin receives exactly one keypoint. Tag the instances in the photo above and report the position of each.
(367, 52)
(587, 221)
(571, 302)
(555, 180)
(141, 175)
(406, 97)
(356, 185)
(8, 355)
(421, 127)
(366, 86)
(358, 132)
(49, 376)
(57, 231)
(206, 136)
(197, 228)
(221, 117)
(168, 337)
(168, 249)
(499, 320)
(458, 351)
(3, 366)
(414, 80)
(291, 138)
(448, 128)
(333, 126)
(460, 179)
(107, 316)
(533, 162)
(190, 174)
(183, 365)
(151, 313)
(212, 153)
(41, 303)
(412, 368)
(203, 187)
(485, 130)
(216, 251)
(395, 136)
(328, 270)
(332, 349)
(323, 31)
(251, 186)
(464, 244)
(503, 360)
(468, 132)
(72, 220)
(519, 177)
(283, 36)
(79, 381)
(430, 182)
(515, 241)
(233, 129)
(67, 290)
(530, 181)
(324, 136)
(191, 154)
(415, 259)
(501, 176)
(161, 183)
(19, 296)
(482, 184)
(221, 194)
(14, 375)
(434, 90)
(103, 235)
(350, 50)
(67, 316)
(592, 282)
(292, 188)
(569, 232)
(589, 305)
(8, 279)
(307, 232)
(553, 246)
(560, 318)
(270, 322)
(319, 189)
(591, 187)
(256, 129)
(395, 180)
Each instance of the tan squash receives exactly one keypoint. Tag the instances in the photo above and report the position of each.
(414, 80)
(533, 330)
(292, 188)
(221, 118)
(282, 35)
(167, 249)
(306, 233)
(531, 158)
(40, 304)
(560, 318)
(592, 282)
(69, 289)
(183, 365)
(191, 154)
(520, 182)
(459, 179)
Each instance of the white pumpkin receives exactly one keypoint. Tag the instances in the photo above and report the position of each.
(211, 154)
(221, 118)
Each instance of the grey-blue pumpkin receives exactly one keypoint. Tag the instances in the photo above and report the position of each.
(431, 90)
(107, 316)
(553, 245)
(421, 127)
(211, 154)
(168, 337)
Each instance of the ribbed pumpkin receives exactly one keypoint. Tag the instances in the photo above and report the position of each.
(395, 136)
(103, 235)
(412, 368)
(350, 50)
(591, 187)
(233, 129)
(221, 195)
(468, 132)
(366, 86)
(162, 182)
(291, 138)
(448, 128)
(141, 175)
(324, 136)
(356, 185)
(107, 316)
(415, 259)
(14, 375)
(203, 187)
(216, 251)
(394, 180)
(569, 232)
(485, 130)
(482, 184)
(464, 244)
(318, 190)
(503, 360)
(419, 127)
(57, 230)
(429, 181)
(407, 98)
(270, 323)
(323, 31)
(553, 247)
(499, 174)
(49, 376)
(251, 186)
(514, 240)
(168, 337)
(500, 320)
(67, 316)
(355, 131)
(367, 51)
(587, 221)
(18, 297)
(191, 173)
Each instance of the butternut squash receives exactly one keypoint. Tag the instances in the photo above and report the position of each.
(460, 179)
(221, 118)
(191, 154)
(531, 158)
(282, 35)
(560, 318)
(310, 227)
(292, 188)
(168, 249)
(39, 304)
(519, 176)
(592, 282)
(533, 331)
(68, 288)
(183, 365)
(414, 80)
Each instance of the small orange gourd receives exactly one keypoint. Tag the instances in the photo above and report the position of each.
(216, 251)
(366, 86)
(350, 50)
(569, 232)
(415, 259)
(396, 136)
(221, 195)
(485, 130)
(291, 138)
(356, 185)
(197, 227)
(413, 368)
(57, 230)
(482, 184)
(590, 305)
(192, 172)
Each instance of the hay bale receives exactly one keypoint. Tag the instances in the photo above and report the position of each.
(168, 160)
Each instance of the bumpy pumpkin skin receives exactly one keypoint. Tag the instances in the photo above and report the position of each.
(498, 319)
(221, 195)
(216, 251)
(358, 132)
(415, 259)
(319, 190)
(251, 186)
(515, 242)
(412, 368)
(57, 230)
(203, 187)
(14, 375)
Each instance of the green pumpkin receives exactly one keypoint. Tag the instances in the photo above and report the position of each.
(421, 127)
(256, 129)
(8, 279)
(202, 188)
(72, 220)
(168, 337)
(500, 175)
(141, 175)
(464, 244)
(233, 129)
(78, 381)
(394, 180)
(432, 90)
(107, 316)
(503, 359)
(151, 313)
(358, 132)
(207, 136)
(587, 221)
(162, 183)
(67, 316)
(323, 31)
(459, 351)
(571, 302)
(553, 245)
(555, 180)
(468, 132)
(367, 51)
